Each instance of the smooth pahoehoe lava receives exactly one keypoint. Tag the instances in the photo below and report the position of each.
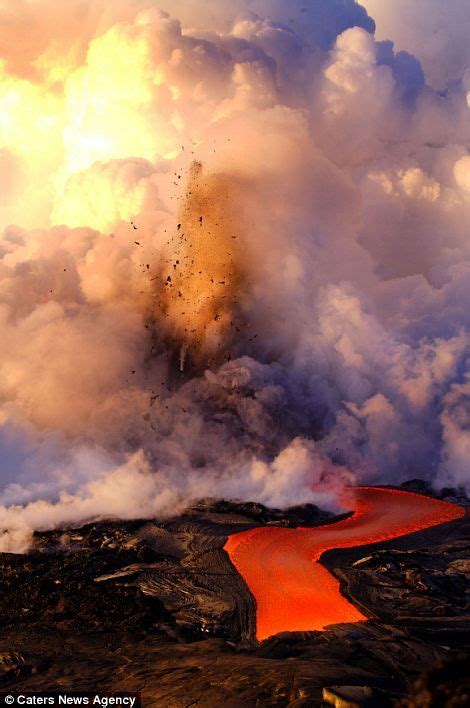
(293, 591)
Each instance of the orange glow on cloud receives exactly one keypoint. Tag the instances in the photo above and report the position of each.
(72, 112)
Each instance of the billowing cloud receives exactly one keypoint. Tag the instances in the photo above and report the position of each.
(234, 258)
(435, 32)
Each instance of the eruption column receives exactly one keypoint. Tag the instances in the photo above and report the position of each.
(202, 276)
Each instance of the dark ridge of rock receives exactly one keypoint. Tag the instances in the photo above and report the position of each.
(300, 514)
(158, 607)
(446, 685)
(41, 589)
(13, 666)
(419, 581)
(357, 697)
(421, 486)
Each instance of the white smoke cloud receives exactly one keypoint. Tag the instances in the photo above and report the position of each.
(342, 181)
(134, 489)
(433, 31)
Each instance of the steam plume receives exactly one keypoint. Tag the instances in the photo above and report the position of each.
(234, 256)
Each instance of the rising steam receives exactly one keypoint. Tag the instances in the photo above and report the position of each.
(235, 257)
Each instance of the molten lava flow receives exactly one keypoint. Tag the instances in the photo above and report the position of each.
(293, 591)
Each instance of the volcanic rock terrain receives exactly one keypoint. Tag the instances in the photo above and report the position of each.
(158, 607)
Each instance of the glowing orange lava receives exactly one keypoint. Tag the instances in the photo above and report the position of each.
(293, 591)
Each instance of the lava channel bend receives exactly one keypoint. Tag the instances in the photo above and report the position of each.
(293, 591)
